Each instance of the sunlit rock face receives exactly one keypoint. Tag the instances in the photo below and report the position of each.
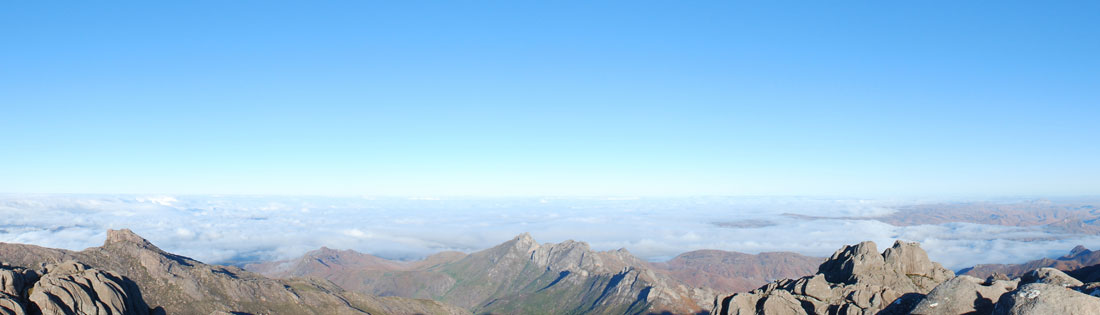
(857, 279)
(68, 287)
(902, 280)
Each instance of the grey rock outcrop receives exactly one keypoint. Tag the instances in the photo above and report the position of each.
(69, 287)
(1043, 298)
(903, 267)
(14, 282)
(855, 280)
(1050, 276)
(964, 295)
(73, 288)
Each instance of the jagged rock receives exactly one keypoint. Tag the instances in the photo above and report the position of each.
(848, 264)
(996, 276)
(855, 280)
(737, 304)
(10, 305)
(963, 295)
(1049, 276)
(814, 286)
(903, 267)
(72, 288)
(67, 288)
(14, 281)
(781, 303)
(1043, 298)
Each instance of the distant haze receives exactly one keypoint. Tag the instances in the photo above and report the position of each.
(236, 229)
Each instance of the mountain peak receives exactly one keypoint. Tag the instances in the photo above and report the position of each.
(324, 251)
(525, 237)
(1078, 250)
(126, 236)
(523, 242)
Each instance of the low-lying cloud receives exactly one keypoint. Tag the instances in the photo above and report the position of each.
(232, 229)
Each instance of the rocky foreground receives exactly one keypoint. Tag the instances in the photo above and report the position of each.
(68, 288)
(858, 279)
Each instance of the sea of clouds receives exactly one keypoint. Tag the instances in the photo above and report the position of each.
(239, 229)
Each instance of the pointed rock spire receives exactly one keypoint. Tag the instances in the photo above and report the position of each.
(524, 241)
(126, 236)
(525, 237)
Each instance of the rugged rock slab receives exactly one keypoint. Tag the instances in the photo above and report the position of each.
(73, 288)
(855, 280)
(68, 288)
(1042, 298)
(963, 295)
(1050, 276)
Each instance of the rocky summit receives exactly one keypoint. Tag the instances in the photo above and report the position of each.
(855, 280)
(902, 280)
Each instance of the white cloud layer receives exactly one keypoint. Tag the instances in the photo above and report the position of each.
(228, 229)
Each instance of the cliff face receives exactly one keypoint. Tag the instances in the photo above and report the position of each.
(518, 276)
(184, 286)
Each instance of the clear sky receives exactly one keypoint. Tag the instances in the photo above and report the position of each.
(501, 98)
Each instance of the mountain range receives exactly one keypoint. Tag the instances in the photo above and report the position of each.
(517, 276)
(130, 275)
(1063, 218)
(1078, 258)
(524, 276)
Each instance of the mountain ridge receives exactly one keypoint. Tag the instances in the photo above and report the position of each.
(1077, 258)
(182, 285)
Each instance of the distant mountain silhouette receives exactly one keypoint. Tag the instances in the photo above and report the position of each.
(1078, 257)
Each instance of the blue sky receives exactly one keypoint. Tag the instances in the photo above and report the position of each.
(550, 98)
